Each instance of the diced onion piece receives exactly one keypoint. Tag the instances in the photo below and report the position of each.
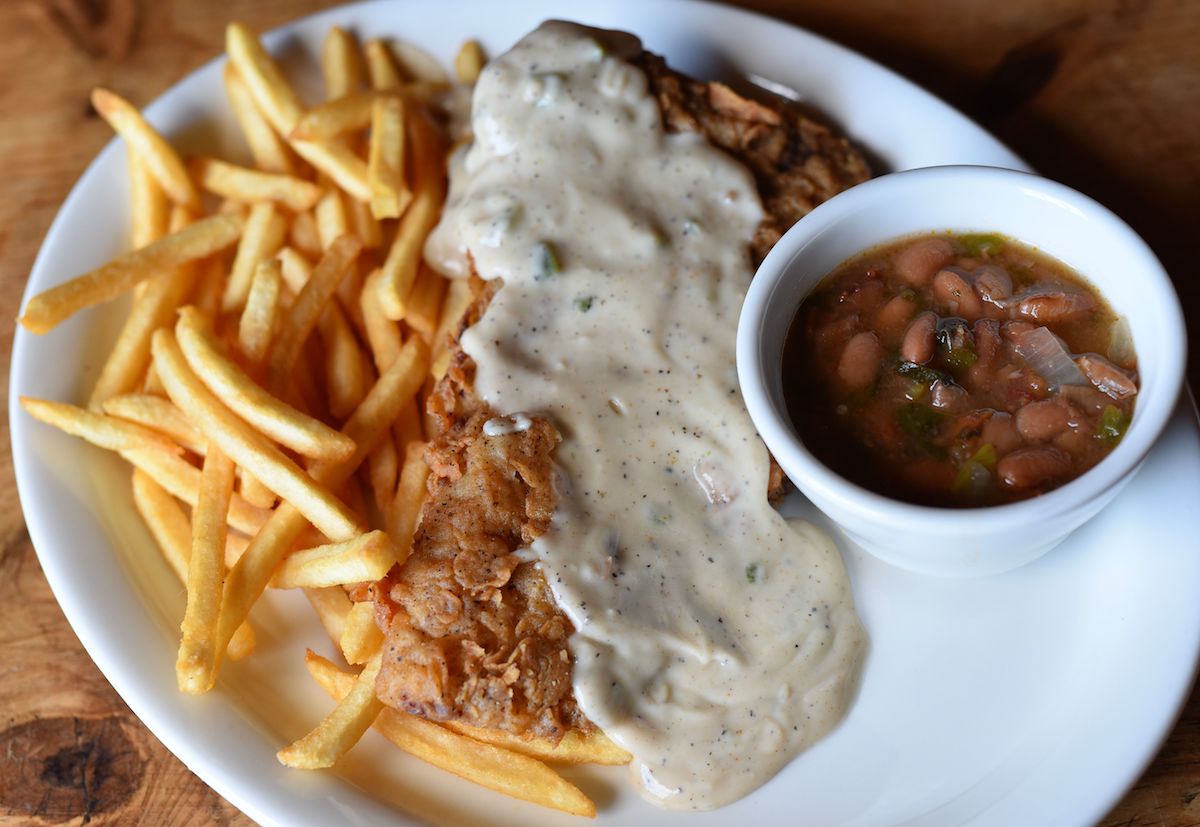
(1120, 344)
(1044, 352)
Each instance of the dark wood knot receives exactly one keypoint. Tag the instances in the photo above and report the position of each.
(66, 768)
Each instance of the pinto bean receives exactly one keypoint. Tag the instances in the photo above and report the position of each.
(945, 396)
(955, 293)
(1086, 398)
(992, 283)
(1043, 420)
(1028, 468)
(919, 339)
(892, 320)
(860, 361)
(1106, 376)
(988, 343)
(864, 296)
(1001, 431)
(916, 263)
(1051, 307)
(1015, 330)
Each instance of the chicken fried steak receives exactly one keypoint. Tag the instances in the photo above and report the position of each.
(473, 630)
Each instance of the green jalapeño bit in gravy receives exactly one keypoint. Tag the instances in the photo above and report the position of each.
(713, 640)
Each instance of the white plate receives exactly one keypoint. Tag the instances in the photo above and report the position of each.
(1032, 698)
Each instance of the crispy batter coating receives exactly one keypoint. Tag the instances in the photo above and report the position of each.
(473, 632)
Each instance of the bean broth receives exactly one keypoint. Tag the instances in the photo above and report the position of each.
(958, 370)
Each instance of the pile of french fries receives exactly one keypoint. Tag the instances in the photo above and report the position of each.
(267, 384)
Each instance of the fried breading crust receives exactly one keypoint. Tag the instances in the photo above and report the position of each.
(473, 632)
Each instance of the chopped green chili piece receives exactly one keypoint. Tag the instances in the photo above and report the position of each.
(974, 475)
(921, 373)
(546, 261)
(961, 358)
(1112, 425)
(979, 244)
(986, 455)
(754, 573)
(921, 424)
(584, 303)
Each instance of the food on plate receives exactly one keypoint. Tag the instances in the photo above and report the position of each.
(570, 557)
(262, 328)
(959, 370)
(598, 549)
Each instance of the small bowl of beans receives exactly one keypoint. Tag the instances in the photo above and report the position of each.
(960, 365)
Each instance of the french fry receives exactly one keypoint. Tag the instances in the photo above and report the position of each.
(506, 772)
(169, 527)
(294, 268)
(255, 492)
(237, 391)
(245, 446)
(345, 380)
(333, 609)
(153, 308)
(407, 426)
(425, 302)
(210, 285)
(196, 241)
(366, 557)
(390, 194)
(339, 162)
(383, 467)
(310, 303)
(440, 364)
(247, 580)
(252, 185)
(575, 747)
(195, 663)
(418, 65)
(349, 292)
(364, 224)
(400, 268)
(257, 323)
(303, 235)
(149, 209)
(342, 728)
(265, 229)
(235, 547)
(361, 637)
(405, 507)
(332, 222)
(182, 479)
(151, 147)
(468, 63)
(383, 334)
(381, 66)
(98, 429)
(158, 414)
(454, 305)
(275, 97)
(350, 112)
(341, 64)
(271, 153)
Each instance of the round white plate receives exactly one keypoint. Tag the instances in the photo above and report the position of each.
(1035, 698)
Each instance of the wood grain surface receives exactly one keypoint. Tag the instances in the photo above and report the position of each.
(1104, 96)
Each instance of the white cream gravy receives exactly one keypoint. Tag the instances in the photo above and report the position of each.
(713, 640)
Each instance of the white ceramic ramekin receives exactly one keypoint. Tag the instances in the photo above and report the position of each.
(1047, 215)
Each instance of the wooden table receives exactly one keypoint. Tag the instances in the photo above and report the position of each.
(1101, 95)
